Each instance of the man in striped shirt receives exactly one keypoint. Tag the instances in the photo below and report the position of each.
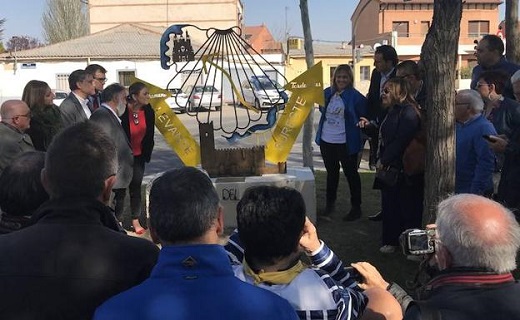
(272, 228)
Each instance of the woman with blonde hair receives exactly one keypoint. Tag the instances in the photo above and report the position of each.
(45, 115)
(401, 195)
(340, 140)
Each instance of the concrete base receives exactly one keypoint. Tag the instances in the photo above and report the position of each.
(230, 190)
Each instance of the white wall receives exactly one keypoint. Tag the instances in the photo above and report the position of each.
(12, 84)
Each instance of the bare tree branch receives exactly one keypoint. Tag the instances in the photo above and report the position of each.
(64, 20)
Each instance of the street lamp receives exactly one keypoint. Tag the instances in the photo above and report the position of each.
(14, 41)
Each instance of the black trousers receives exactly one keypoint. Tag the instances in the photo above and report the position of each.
(402, 208)
(333, 155)
(134, 189)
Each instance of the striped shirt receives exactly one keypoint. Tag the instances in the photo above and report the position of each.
(324, 291)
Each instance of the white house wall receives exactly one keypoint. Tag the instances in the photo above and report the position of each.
(12, 83)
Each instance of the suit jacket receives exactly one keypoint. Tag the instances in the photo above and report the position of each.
(375, 110)
(12, 144)
(68, 262)
(71, 111)
(110, 124)
(148, 140)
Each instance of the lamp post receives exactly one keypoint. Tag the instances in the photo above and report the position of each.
(14, 40)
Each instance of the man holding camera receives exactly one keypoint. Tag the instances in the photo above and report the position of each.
(476, 243)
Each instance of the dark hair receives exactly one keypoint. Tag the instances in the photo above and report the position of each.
(494, 43)
(497, 77)
(388, 53)
(348, 70)
(270, 221)
(410, 67)
(75, 77)
(110, 92)
(34, 93)
(93, 68)
(21, 189)
(183, 205)
(135, 88)
(79, 160)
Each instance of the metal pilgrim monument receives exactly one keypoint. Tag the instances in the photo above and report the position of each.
(225, 74)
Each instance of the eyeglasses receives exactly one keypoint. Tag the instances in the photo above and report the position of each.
(480, 84)
(27, 115)
(103, 80)
(136, 118)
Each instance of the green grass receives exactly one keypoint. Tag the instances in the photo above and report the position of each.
(360, 240)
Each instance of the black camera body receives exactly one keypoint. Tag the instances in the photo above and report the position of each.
(417, 241)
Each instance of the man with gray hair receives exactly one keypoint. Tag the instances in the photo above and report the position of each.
(16, 119)
(515, 82)
(73, 257)
(476, 242)
(475, 161)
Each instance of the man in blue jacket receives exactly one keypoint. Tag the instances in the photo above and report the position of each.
(193, 278)
(475, 161)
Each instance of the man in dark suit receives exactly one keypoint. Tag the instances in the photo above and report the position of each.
(385, 60)
(77, 107)
(99, 75)
(107, 117)
(74, 257)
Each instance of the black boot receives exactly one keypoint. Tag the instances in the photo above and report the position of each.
(354, 214)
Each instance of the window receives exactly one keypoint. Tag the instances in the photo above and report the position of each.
(425, 26)
(62, 82)
(402, 28)
(478, 28)
(125, 78)
(364, 73)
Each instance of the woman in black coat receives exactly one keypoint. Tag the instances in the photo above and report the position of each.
(45, 115)
(138, 121)
(401, 199)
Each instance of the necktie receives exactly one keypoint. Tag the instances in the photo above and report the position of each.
(95, 102)
(90, 105)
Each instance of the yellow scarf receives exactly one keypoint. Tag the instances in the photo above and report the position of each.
(274, 277)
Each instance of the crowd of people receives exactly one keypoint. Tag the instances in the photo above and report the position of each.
(393, 118)
(31, 123)
(65, 172)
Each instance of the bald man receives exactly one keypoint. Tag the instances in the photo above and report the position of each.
(16, 119)
(476, 243)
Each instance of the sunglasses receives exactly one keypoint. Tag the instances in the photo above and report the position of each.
(136, 118)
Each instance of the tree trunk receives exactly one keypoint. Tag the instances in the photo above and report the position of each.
(439, 57)
(512, 34)
(309, 58)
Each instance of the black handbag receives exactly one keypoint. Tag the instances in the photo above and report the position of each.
(388, 176)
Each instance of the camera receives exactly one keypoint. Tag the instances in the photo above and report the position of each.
(417, 241)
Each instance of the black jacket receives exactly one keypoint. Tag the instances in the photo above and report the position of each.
(148, 141)
(471, 295)
(399, 127)
(68, 262)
